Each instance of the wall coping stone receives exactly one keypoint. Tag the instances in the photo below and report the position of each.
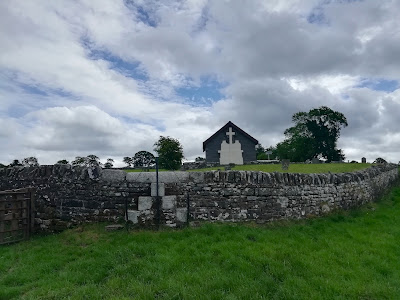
(243, 177)
(113, 175)
(164, 177)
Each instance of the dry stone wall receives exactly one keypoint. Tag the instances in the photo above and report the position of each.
(67, 195)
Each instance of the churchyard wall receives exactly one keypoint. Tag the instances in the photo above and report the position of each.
(67, 195)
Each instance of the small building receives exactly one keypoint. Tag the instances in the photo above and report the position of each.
(230, 144)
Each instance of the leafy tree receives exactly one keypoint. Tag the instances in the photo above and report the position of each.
(129, 161)
(199, 158)
(88, 161)
(63, 162)
(109, 164)
(30, 162)
(380, 160)
(15, 163)
(143, 159)
(2, 165)
(79, 161)
(259, 150)
(315, 134)
(170, 153)
(93, 160)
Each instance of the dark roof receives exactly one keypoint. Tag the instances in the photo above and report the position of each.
(229, 124)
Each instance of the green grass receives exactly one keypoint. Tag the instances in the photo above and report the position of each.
(349, 255)
(298, 168)
(293, 168)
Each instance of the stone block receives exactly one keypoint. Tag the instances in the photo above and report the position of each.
(113, 175)
(145, 203)
(173, 177)
(168, 202)
(161, 189)
(196, 177)
(181, 214)
(163, 177)
(133, 216)
(144, 177)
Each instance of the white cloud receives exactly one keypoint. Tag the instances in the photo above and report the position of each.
(272, 60)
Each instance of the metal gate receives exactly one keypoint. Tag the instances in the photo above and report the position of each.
(16, 215)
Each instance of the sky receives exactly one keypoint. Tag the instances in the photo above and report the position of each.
(110, 77)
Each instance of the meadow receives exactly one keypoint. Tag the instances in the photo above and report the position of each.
(346, 255)
(296, 168)
(293, 168)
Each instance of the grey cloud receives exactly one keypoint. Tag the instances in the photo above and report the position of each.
(252, 46)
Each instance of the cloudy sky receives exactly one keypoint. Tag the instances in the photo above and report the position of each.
(109, 77)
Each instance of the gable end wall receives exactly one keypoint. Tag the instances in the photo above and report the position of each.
(248, 147)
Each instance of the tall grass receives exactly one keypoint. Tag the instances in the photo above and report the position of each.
(348, 255)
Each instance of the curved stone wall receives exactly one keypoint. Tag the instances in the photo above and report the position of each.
(68, 195)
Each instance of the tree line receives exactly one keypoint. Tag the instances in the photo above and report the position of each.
(169, 150)
(314, 134)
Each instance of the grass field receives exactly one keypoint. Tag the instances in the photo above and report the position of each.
(350, 255)
(298, 168)
(293, 168)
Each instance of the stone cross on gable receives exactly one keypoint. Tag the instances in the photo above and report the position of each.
(230, 133)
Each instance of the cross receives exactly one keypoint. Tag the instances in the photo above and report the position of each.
(230, 133)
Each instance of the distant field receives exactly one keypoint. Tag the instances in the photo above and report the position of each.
(293, 168)
(347, 255)
(298, 168)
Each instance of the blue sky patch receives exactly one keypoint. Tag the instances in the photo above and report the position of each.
(380, 84)
(208, 91)
(128, 69)
(141, 13)
(43, 91)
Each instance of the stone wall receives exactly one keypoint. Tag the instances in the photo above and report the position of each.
(68, 195)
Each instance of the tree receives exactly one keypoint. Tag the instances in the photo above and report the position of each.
(30, 162)
(2, 165)
(199, 158)
(315, 134)
(63, 162)
(15, 163)
(380, 160)
(260, 152)
(170, 153)
(143, 159)
(79, 161)
(109, 164)
(88, 161)
(128, 160)
(93, 160)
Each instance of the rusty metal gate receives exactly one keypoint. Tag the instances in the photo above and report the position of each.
(16, 215)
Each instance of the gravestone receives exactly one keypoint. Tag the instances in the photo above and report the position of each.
(363, 160)
(285, 164)
(315, 161)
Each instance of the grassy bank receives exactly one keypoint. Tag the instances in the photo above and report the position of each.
(298, 168)
(293, 168)
(350, 255)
